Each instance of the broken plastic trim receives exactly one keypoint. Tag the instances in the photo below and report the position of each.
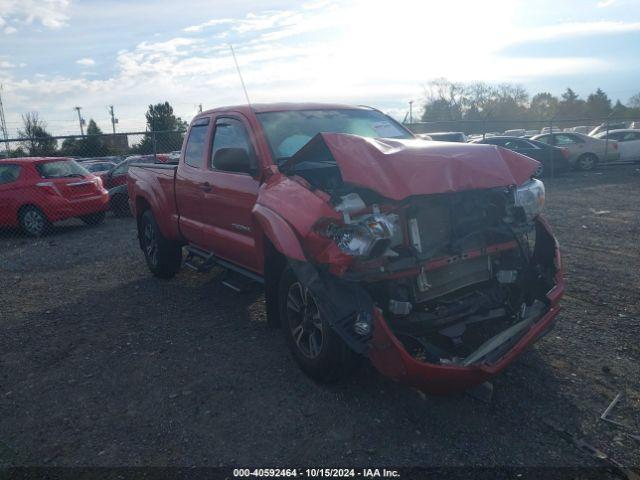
(340, 302)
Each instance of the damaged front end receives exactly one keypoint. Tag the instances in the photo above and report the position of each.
(433, 262)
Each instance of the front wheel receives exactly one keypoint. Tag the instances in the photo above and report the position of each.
(162, 255)
(315, 346)
(94, 218)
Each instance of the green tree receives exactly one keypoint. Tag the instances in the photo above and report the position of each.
(164, 128)
(570, 105)
(598, 104)
(34, 136)
(93, 143)
(544, 105)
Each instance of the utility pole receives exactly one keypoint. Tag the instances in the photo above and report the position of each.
(114, 120)
(80, 119)
(410, 112)
(3, 124)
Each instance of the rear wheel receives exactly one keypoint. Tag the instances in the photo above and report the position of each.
(315, 346)
(94, 218)
(163, 256)
(586, 162)
(33, 221)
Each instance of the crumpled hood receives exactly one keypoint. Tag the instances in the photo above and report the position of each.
(397, 169)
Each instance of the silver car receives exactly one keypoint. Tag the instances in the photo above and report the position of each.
(585, 152)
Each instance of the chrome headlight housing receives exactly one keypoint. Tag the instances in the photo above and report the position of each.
(530, 197)
(366, 237)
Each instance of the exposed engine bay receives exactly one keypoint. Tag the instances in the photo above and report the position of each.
(460, 277)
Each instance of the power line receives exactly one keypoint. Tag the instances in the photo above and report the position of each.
(113, 119)
(3, 123)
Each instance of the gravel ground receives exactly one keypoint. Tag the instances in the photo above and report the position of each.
(102, 364)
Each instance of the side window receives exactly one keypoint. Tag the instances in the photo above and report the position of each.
(121, 169)
(231, 138)
(516, 145)
(564, 140)
(543, 139)
(9, 173)
(629, 136)
(194, 152)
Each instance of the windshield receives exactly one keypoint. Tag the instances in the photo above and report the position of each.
(61, 168)
(289, 131)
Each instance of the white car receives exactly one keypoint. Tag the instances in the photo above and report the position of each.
(628, 142)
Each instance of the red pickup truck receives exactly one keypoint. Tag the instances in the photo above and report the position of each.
(429, 258)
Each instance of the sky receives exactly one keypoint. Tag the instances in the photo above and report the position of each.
(58, 54)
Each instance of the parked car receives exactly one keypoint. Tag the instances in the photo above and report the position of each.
(615, 125)
(531, 133)
(98, 167)
(628, 141)
(516, 132)
(548, 156)
(585, 129)
(550, 129)
(447, 136)
(115, 181)
(585, 152)
(368, 240)
(37, 191)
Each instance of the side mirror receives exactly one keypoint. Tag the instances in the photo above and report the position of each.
(233, 160)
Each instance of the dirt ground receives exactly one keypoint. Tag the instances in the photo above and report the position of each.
(102, 364)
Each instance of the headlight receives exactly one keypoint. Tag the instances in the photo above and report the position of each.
(367, 237)
(530, 197)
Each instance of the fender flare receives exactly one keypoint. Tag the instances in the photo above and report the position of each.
(279, 233)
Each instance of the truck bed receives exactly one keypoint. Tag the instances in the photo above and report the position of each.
(153, 184)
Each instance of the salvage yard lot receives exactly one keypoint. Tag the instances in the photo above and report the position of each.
(103, 364)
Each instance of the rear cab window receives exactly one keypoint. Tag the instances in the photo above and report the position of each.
(197, 142)
(61, 169)
(9, 174)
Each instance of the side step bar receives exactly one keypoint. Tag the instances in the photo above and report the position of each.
(202, 261)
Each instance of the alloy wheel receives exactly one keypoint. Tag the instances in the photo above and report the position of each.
(33, 222)
(150, 243)
(304, 321)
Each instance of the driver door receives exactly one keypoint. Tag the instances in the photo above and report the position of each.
(230, 192)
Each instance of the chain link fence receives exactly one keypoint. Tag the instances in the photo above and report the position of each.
(119, 145)
(80, 178)
(35, 194)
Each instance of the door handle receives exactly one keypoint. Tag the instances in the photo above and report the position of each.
(206, 187)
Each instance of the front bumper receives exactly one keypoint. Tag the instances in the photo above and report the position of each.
(391, 359)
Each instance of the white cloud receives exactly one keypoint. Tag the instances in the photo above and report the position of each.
(48, 13)
(605, 3)
(354, 52)
(86, 62)
(5, 64)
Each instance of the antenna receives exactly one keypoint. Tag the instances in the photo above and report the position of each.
(240, 75)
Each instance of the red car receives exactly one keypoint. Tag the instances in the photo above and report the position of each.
(35, 192)
(432, 259)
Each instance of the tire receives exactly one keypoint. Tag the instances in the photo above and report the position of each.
(94, 218)
(120, 206)
(315, 346)
(163, 256)
(586, 162)
(33, 221)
